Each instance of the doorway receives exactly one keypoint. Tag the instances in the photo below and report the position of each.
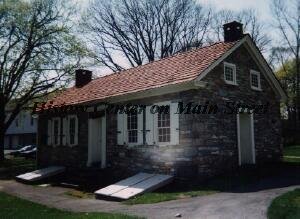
(246, 144)
(97, 142)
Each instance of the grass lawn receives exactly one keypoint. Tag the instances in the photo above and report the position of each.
(155, 197)
(291, 154)
(286, 206)
(13, 207)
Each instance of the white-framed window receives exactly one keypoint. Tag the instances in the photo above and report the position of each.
(230, 73)
(255, 80)
(56, 131)
(164, 127)
(132, 127)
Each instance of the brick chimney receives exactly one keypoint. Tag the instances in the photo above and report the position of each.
(233, 31)
(82, 77)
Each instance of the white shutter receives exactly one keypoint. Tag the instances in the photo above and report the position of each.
(65, 122)
(76, 131)
(149, 126)
(140, 128)
(120, 128)
(49, 132)
(174, 117)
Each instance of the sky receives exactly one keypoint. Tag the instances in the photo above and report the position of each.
(262, 7)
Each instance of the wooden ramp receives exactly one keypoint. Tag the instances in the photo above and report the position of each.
(135, 185)
(41, 174)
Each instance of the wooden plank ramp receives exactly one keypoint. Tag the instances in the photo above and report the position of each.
(41, 174)
(135, 185)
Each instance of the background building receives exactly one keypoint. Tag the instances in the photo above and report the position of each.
(22, 131)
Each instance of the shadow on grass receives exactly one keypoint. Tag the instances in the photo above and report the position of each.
(13, 166)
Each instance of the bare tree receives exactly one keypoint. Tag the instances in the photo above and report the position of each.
(143, 31)
(252, 25)
(37, 52)
(287, 22)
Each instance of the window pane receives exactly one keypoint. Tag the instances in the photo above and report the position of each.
(254, 80)
(229, 74)
(132, 127)
(164, 129)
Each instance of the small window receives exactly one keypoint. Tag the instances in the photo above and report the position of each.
(17, 122)
(255, 80)
(31, 121)
(164, 128)
(56, 131)
(132, 127)
(230, 73)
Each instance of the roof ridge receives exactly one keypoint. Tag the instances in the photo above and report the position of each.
(165, 58)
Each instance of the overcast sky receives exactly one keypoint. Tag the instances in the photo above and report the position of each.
(261, 6)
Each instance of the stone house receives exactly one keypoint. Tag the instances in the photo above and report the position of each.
(199, 113)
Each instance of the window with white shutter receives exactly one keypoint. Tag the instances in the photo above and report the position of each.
(130, 128)
(163, 126)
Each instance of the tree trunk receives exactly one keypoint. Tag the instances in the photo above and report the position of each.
(2, 128)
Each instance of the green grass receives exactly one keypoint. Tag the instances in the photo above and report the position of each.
(155, 197)
(286, 206)
(15, 208)
(291, 154)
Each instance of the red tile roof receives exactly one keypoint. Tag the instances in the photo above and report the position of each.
(181, 67)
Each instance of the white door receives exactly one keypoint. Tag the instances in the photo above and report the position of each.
(97, 142)
(246, 138)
